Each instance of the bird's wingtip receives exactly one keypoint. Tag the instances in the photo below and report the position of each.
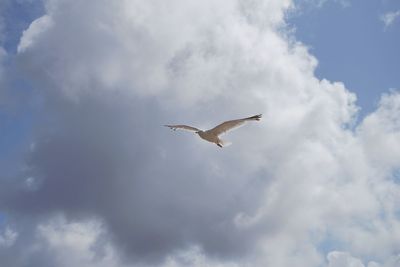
(171, 127)
(255, 117)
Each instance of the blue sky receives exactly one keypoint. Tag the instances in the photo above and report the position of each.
(17, 17)
(353, 46)
(83, 160)
(16, 123)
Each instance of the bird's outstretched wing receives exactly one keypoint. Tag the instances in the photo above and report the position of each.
(230, 125)
(183, 127)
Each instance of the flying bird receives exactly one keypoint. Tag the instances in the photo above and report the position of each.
(213, 134)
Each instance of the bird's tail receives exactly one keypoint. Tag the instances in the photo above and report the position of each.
(255, 117)
(224, 143)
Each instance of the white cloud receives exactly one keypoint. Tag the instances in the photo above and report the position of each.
(36, 28)
(299, 178)
(75, 243)
(380, 133)
(389, 18)
(343, 259)
(8, 237)
(194, 257)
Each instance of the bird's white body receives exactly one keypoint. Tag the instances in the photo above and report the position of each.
(210, 137)
(213, 134)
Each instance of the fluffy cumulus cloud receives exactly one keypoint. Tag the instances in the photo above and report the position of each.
(104, 184)
(339, 259)
(389, 18)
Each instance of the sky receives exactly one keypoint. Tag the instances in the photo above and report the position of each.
(356, 43)
(89, 177)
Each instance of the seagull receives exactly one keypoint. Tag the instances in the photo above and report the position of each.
(213, 134)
